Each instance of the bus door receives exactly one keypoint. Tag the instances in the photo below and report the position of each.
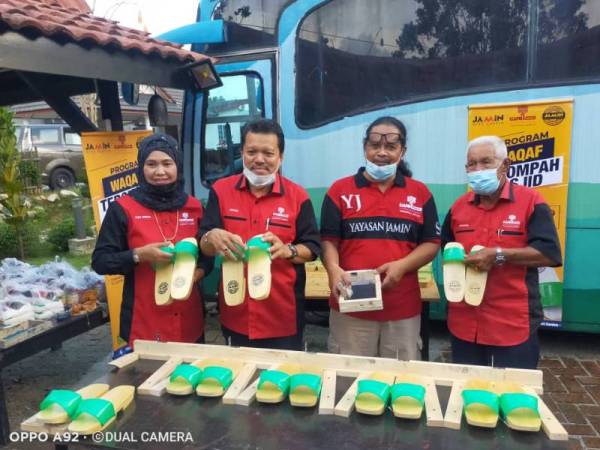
(247, 94)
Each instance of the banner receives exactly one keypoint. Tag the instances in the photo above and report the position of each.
(538, 138)
(111, 163)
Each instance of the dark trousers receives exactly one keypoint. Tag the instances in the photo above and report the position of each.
(282, 343)
(521, 356)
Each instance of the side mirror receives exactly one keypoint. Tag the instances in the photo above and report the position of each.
(157, 111)
(131, 93)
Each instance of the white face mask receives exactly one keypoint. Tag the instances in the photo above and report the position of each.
(259, 180)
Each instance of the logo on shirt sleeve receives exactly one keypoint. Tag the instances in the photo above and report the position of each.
(352, 201)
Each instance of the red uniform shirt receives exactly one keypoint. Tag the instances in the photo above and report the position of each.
(129, 225)
(373, 227)
(289, 214)
(511, 308)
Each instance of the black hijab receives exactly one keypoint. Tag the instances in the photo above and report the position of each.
(160, 198)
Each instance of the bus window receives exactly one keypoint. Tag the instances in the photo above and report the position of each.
(568, 32)
(250, 24)
(355, 55)
(229, 108)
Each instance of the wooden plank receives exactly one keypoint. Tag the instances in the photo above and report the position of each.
(125, 360)
(239, 384)
(454, 410)
(158, 389)
(327, 399)
(524, 378)
(344, 365)
(146, 388)
(433, 410)
(550, 424)
(35, 425)
(346, 404)
(248, 395)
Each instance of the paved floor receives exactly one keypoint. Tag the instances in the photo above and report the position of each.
(571, 366)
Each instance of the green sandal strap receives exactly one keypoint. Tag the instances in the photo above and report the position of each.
(223, 375)
(171, 251)
(187, 372)
(240, 255)
(513, 400)
(66, 399)
(411, 390)
(186, 247)
(256, 244)
(101, 409)
(280, 379)
(309, 380)
(377, 388)
(479, 396)
(453, 254)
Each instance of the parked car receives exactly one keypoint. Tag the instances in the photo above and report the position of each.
(58, 149)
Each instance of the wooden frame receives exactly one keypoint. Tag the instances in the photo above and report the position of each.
(243, 389)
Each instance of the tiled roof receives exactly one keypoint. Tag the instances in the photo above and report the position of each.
(51, 18)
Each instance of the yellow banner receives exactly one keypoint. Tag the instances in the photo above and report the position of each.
(538, 138)
(111, 163)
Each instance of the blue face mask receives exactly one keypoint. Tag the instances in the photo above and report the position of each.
(484, 182)
(381, 173)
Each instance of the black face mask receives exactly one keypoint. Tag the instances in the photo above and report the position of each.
(168, 197)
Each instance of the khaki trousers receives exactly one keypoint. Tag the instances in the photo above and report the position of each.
(398, 339)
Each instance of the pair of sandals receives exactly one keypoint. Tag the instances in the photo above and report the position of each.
(301, 384)
(208, 377)
(258, 259)
(90, 409)
(174, 280)
(484, 402)
(460, 282)
(405, 393)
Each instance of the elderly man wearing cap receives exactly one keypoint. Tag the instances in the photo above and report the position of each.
(135, 228)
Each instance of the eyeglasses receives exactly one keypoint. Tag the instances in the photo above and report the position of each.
(375, 139)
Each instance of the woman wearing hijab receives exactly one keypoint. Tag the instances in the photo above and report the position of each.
(135, 228)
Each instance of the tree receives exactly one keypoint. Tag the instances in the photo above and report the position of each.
(15, 205)
(448, 28)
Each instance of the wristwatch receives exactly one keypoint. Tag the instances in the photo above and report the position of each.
(294, 251)
(136, 258)
(500, 257)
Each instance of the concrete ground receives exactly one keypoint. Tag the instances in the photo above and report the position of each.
(571, 366)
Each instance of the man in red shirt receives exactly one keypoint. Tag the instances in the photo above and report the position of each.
(515, 226)
(261, 201)
(382, 219)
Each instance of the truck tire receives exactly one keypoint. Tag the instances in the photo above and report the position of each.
(61, 178)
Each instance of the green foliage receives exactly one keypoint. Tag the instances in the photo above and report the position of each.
(14, 204)
(60, 234)
(84, 191)
(29, 172)
(31, 240)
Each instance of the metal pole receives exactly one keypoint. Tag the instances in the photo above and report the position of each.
(78, 214)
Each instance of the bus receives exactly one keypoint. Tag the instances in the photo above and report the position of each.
(326, 68)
